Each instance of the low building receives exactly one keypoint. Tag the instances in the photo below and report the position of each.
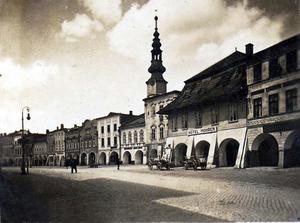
(40, 152)
(72, 143)
(88, 143)
(273, 79)
(109, 136)
(133, 150)
(208, 118)
(6, 150)
(56, 146)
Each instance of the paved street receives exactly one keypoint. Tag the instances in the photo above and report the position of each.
(136, 194)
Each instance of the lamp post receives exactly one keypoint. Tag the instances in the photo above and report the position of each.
(23, 141)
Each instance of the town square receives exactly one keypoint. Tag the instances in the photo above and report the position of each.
(149, 111)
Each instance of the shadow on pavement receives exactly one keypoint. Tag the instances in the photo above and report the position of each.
(39, 198)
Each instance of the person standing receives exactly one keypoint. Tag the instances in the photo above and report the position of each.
(73, 165)
(118, 162)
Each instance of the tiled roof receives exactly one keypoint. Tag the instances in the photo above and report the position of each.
(139, 121)
(225, 81)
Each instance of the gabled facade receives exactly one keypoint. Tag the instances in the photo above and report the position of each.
(133, 150)
(88, 143)
(72, 143)
(273, 79)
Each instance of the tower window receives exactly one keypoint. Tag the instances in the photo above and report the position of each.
(153, 133)
(161, 132)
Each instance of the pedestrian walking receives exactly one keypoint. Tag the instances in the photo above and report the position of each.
(73, 165)
(118, 162)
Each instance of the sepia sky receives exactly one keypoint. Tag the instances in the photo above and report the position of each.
(71, 60)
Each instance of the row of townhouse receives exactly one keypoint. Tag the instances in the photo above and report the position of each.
(242, 111)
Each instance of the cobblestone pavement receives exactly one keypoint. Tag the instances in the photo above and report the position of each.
(241, 199)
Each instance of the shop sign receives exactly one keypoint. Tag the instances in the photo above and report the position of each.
(202, 131)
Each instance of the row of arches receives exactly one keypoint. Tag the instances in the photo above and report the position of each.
(138, 157)
(225, 155)
(264, 151)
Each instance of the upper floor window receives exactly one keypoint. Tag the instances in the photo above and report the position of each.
(141, 136)
(273, 104)
(161, 132)
(153, 133)
(257, 73)
(174, 122)
(115, 141)
(129, 137)
(291, 100)
(233, 112)
(185, 120)
(257, 107)
(215, 114)
(108, 141)
(102, 142)
(153, 110)
(291, 61)
(274, 68)
(135, 137)
(108, 128)
(115, 127)
(124, 137)
(102, 129)
(198, 115)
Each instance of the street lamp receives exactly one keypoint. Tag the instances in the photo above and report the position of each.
(23, 141)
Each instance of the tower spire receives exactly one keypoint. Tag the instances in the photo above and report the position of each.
(156, 68)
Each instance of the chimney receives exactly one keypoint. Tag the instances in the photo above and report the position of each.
(75, 125)
(249, 49)
(56, 127)
(130, 112)
(61, 126)
(47, 131)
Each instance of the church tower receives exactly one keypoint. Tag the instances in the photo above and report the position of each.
(156, 85)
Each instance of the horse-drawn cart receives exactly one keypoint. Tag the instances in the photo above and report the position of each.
(159, 163)
(195, 162)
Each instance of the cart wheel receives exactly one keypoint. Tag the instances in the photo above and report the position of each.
(168, 167)
(186, 167)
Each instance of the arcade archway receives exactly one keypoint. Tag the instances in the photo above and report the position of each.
(180, 154)
(228, 151)
(92, 159)
(113, 158)
(292, 149)
(138, 157)
(127, 158)
(102, 159)
(264, 151)
(83, 159)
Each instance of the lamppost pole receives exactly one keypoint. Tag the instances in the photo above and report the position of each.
(23, 141)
